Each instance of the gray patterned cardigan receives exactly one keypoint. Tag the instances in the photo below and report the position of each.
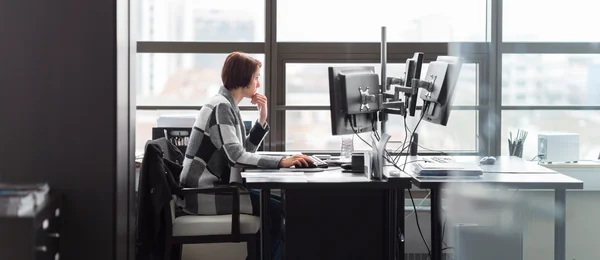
(217, 152)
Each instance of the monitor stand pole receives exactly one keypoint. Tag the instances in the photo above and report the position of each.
(414, 145)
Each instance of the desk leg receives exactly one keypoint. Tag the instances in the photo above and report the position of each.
(400, 216)
(560, 202)
(392, 228)
(436, 225)
(265, 225)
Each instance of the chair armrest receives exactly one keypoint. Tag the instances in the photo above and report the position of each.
(235, 205)
(212, 190)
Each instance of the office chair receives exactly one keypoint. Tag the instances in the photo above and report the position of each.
(196, 229)
(178, 228)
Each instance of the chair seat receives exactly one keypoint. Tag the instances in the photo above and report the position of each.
(194, 225)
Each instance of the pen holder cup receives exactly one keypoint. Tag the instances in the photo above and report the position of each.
(515, 149)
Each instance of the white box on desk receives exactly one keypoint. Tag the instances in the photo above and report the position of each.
(176, 121)
(558, 147)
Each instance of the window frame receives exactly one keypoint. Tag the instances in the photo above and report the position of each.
(502, 47)
(488, 56)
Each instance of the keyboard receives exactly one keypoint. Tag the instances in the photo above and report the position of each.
(318, 162)
(439, 160)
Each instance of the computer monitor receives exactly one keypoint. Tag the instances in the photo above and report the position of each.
(443, 74)
(405, 84)
(348, 114)
(413, 70)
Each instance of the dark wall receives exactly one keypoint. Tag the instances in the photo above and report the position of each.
(59, 117)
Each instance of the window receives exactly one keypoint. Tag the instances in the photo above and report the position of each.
(181, 79)
(406, 21)
(201, 21)
(459, 135)
(146, 120)
(534, 75)
(308, 84)
(300, 133)
(565, 79)
(550, 21)
(585, 123)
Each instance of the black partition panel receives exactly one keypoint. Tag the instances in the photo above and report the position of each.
(65, 111)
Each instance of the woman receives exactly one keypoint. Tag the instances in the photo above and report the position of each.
(218, 148)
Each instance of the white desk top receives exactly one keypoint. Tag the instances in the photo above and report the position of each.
(509, 171)
(331, 176)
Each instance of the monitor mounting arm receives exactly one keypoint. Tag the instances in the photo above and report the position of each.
(424, 84)
(399, 86)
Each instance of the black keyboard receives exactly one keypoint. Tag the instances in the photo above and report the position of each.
(318, 162)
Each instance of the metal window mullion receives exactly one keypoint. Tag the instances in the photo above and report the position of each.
(483, 143)
(281, 96)
(353, 58)
(492, 130)
(398, 58)
(200, 47)
(374, 48)
(271, 81)
(551, 107)
(326, 108)
(146, 108)
(550, 47)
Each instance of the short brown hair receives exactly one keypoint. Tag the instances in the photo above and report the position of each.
(238, 70)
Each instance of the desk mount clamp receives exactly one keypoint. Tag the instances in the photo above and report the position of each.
(365, 99)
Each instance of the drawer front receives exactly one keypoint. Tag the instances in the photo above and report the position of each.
(47, 234)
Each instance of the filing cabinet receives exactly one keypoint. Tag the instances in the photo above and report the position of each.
(32, 237)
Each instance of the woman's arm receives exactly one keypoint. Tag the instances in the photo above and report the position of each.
(256, 136)
(223, 133)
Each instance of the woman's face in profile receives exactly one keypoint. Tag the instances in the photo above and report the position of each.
(253, 86)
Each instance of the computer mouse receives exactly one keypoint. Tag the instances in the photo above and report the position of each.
(310, 165)
(346, 166)
(488, 160)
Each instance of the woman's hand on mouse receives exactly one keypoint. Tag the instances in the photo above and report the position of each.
(299, 160)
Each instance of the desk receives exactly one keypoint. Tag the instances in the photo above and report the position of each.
(306, 188)
(508, 172)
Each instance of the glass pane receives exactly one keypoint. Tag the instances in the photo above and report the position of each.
(550, 21)
(182, 79)
(460, 134)
(308, 84)
(585, 123)
(361, 21)
(146, 120)
(201, 21)
(551, 79)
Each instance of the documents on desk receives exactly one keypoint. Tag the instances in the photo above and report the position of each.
(22, 200)
(458, 169)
